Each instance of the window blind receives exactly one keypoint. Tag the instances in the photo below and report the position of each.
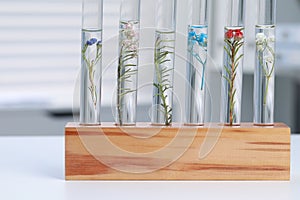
(40, 50)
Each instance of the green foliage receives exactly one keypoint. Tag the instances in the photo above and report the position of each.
(127, 67)
(266, 48)
(232, 49)
(162, 70)
(90, 63)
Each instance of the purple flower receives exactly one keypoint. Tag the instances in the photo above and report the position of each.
(99, 42)
(91, 41)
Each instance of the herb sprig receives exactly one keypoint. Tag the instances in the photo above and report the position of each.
(233, 44)
(162, 71)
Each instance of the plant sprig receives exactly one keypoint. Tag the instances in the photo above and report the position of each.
(127, 65)
(162, 70)
(91, 63)
(264, 63)
(234, 42)
(201, 41)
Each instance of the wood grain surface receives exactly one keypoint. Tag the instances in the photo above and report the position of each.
(145, 152)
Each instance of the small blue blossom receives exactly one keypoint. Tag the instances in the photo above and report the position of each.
(91, 41)
(202, 39)
(192, 34)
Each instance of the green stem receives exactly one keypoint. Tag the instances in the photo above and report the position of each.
(267, 73)
(266, 90)
(119, 106)
(232, 50)
(123, 75)
(92, 87)
(90, 66)
(231, 103)
(162, 95)
(160, 56)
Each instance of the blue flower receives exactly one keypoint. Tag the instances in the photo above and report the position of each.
(202, 39)
(91, 41)
(192, 34)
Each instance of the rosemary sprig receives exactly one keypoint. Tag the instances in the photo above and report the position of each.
(125, 72)
(233, 44)
(126, 65)
(163, 84)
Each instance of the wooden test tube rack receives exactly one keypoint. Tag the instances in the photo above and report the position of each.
(177, 152)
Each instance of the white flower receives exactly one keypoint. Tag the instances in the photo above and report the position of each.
(261, 41)
(260, 37)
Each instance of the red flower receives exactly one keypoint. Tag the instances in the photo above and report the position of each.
(238, 34)
(229, 34)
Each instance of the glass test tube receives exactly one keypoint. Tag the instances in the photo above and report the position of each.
(127, 74)
(91, 62)
(232, 69)
(164, 56)
(196, 63)
(264, 74)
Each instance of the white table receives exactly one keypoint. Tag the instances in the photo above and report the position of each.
(32, 168)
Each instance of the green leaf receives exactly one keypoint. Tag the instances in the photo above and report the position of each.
(233, 77)
(227, 70)
(237, 48)
(227, 51)
(238, 59)
(227, 79)
(228, 42)
(162, 71)
(234, 92)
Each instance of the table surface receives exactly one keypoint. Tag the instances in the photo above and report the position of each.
(32, 168)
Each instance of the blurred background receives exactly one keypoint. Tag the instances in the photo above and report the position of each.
(40, 61)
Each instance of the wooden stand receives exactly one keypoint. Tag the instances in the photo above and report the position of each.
(145, 152)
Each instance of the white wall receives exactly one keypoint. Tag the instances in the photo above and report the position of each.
(288, 11)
